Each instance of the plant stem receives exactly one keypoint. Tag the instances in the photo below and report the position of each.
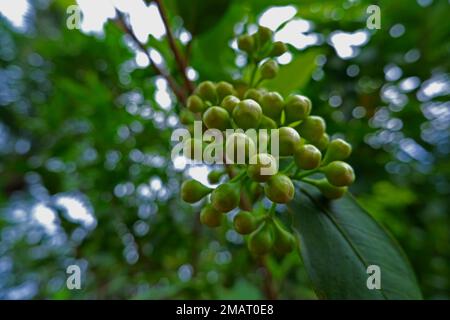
(180, 60)
(252, 78)
(304, 174)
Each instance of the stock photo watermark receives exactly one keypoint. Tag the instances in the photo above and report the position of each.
(73, 281)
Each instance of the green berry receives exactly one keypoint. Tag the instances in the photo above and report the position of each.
(284, 242)
(339, 173)
(195, 104)
(289, 139)
(307, 157)
(229, 103)
(262, 166)
(260, 241)
(214, 176)
(264, 36)
(279, 188)
(278, 49)
(193, 191)
(239, 148)
(338, 149)
(186, 117)
(297, 108)
(329, 191)
(272, 105)
(267, 123)
(253, 94)
(207, 91)
(269, 69)
(246, 43)
(224, 89)
(312, 128)
(247, 114)
(210, 216)
(193, 149)
(226, 197)
(216, 118)
(244, 222)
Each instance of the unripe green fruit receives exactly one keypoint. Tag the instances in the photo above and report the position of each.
(307, 157)
(193, 149)
(216, 118)
(297, 108)
(272, 105)
(229, 103)
(279, 188)
(253, 94)
(262, 166)
(193, 191)
(338, 149)
(289, 140)
(207, 91)
(267, 123)
(224, 89)
(214, 176)
(284, 242)
(260, 241)
(329, 191)
(239, 148)
(278, 49)
(210, 216)
(226, 197)
(339, 173)
(264, 35)
(186, 117)
(246, 43)
(312, 128)
(269, 69)
(247, 114)
(244, 222)
(323, 142)
(195, 103)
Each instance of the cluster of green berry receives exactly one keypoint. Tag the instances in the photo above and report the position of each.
(302, 140)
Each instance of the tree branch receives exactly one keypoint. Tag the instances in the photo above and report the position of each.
(180, 60)
(160, 71)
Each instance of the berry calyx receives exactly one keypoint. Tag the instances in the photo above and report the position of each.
(210, 216)
(312, 128)
(216, 118)
(272, 105)
(226, 197)
(207, 91)
(260, 241)
(289, 140)
(279, 188)
(244, 222)
(193, 191)
(247, 114)
(269, 69)
(262, 166)
(338, 149)
(297, 108)
(195, 104)
(339, 173)
(307, 157)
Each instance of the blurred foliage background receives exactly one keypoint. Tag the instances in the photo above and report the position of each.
(85, 124)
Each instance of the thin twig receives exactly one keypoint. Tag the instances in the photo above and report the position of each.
(160, 71)
(181, 61)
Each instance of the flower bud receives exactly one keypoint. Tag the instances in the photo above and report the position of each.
(214, 176)
(246, 43)
(247, 114)
(339, 173)
(272, 105)
(244, 222)
(216, 118)
(323, 142)
(224, 89)
(229, 103)
(210, 216)
(267, 123)
(226, 197)
(262, 166)
(278, 49)
(186, 117)
(207, 91)
(193, 191)
(195, 104)
(297, 108)
(329, 191)
(307, 157)
(338, 149)
(253, 94)
(264, 36)
(289, 140)
(279, 188)
(260, 241)
(269, 69)
(312, 128)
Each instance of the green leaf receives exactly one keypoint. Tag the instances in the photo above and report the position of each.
(294, 75)
(339, 240)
